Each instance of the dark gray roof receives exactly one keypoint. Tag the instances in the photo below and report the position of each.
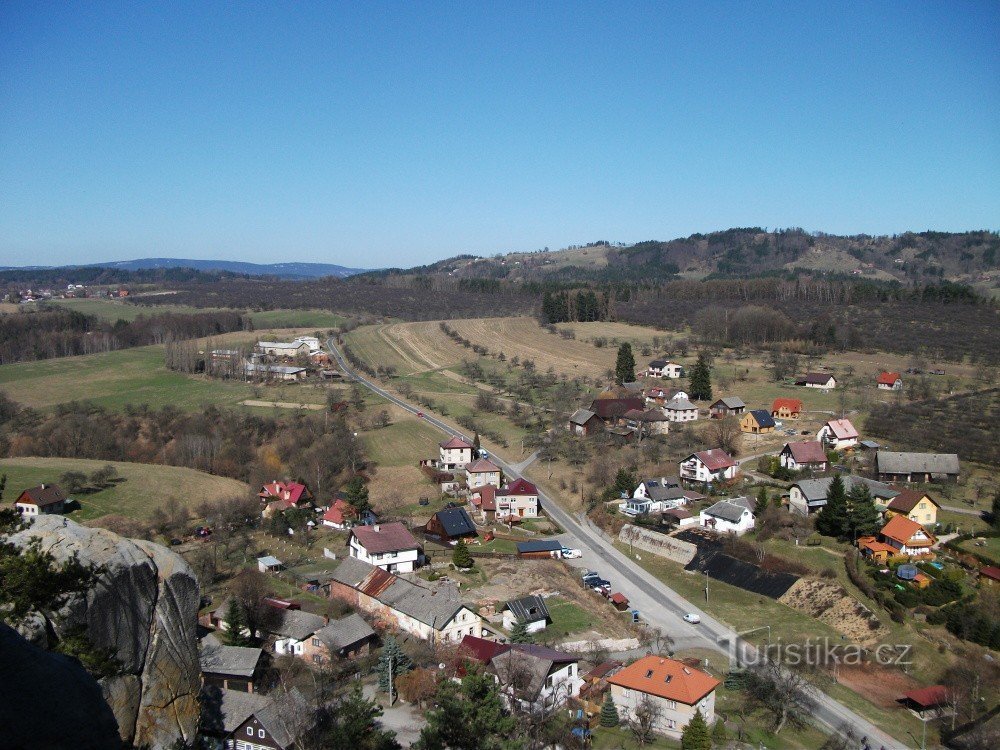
(229, 660)
(892, 462)
(222, 711)
(345, 632)
(294, 623)
(763, 417)
(456, 522)
(537, 661)
(659, 363)
(529, 609)
(814, 490)
(679, 404)
(731, 402)
(663, 488)
(285, 717)
(538, 545)
(727, 510)
(582, 416)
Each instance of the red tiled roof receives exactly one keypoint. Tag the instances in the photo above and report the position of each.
(990, 571)
(902, 529)
(715, 459)
(288, 493)
(807, 452)
(481, 649)
(617, 598)
(907, 500)
(519, 487)
(842, 429)
(339, 512)
(487, 497)
(455, 442)
(385, 537)
(792, 404)
(483, 465)
(666, 678)
(869, 543)
(928, 697)
(615, 407)
(887, 378)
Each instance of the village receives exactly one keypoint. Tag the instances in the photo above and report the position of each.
(478, 574)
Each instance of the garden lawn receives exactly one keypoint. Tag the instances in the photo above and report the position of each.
(567, 617)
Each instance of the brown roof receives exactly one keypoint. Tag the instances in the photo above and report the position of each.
(481, 466)
(385, 537)
(715, 459)
(807, 452)
(815, 378)
(990, 571)
(928, 697)
(455, 442)
(615, 407)
(907, 500)
(666, 678)
(42, 495)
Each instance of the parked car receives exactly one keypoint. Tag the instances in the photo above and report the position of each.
(692, 618)
(589, 574)
(600, 585)
(570, 553)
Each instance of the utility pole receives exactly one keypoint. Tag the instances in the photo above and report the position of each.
(706, 585)
(390, 679)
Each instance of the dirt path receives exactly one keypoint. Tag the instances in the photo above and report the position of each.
(281, 404)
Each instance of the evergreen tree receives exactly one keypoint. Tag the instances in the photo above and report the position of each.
(353, 724)
(392, 660)
(995, 512)
(625, 364)
(609, 712)
(762, 501)
(3, 486)
(461, 557)
(356, 492)
(832, 519)
(695, 735)
(476, 444)
(625, 482)
(519, 633)
(863, 517)
(469, 716)
(701, 380)
(236, 625)
(720, 737)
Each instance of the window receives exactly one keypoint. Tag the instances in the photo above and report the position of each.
(316, 642)
(250, 731)
(671, 704)
(671, 724)
(260, 733)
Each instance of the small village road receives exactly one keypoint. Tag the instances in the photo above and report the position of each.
(659, 605)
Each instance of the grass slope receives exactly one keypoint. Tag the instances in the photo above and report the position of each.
(145, 486)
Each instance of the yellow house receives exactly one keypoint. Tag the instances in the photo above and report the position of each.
(757, 422)
(916, 505)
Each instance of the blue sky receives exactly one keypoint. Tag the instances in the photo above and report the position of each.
(377, 134)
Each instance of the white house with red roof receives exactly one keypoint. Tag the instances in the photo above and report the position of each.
(340, 515)
(708, 466)
(389, 546)
(838, 434)
(889, 381)
(804, 454)
(455, 453)
(518, 498)
(482, 472)
(280, 496)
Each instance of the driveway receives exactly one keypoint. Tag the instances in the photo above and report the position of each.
(405, 719)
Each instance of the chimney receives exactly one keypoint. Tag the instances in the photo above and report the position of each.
(375, 528)
(326, 619)
(43, 485)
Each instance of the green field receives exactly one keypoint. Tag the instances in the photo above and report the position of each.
(567, 617)
(145, 486)
(988, 546)
(402, 443)
(133, 376)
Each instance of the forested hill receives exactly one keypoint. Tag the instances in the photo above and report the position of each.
(911, 258)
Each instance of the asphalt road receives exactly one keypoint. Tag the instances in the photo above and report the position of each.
(659, 606)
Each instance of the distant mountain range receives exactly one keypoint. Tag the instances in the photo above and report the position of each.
(281, 270)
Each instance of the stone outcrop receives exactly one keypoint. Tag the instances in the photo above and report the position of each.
(144, 608)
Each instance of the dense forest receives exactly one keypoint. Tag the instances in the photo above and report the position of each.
(49, 333)
(16, 278)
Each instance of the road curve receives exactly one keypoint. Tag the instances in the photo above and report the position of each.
(659, 605)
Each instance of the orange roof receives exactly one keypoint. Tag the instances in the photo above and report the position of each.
(902, 529)
(665, 678)
(792, 404)
(888, 378)
(869, 543)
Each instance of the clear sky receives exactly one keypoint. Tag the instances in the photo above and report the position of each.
(378, 134)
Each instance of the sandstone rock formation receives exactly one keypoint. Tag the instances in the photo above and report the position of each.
(144, 607)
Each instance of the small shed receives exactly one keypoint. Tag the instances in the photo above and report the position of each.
(619, 600)
(530, 610)
(269, 564)
(539, 548)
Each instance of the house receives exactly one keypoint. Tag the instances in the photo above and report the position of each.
(727, 407)
(44, 499)
(275, 372)
(786, 408)
(612, 409)
(269, 564)
(893, 466)
(649, 422)
(805, 454)
(292, 628)
(478, 650)
(455, 453)
(674, 688)
(662, 368)
(536, 677)
(390, 546)
(680, 410)
(658, 495)
(889, 381)
(530, 610)
(584, 422)
(708, 467)
(900, 536)
(250, 721)
(657, 396)
(283, 349)
(989, 575)
(757, 422)
(433, 612)
(484, 500)
(809, 495)
(311, 341)
(280, 496)
(823, 380)
(450, 525)
(345, 638)
(916, 505)
(733, 516)
(482, 472)
(230, 667)
(539, 548)
(595, 685)
(838, 434)
(932, 702)
(518, 498)
(340, 515)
